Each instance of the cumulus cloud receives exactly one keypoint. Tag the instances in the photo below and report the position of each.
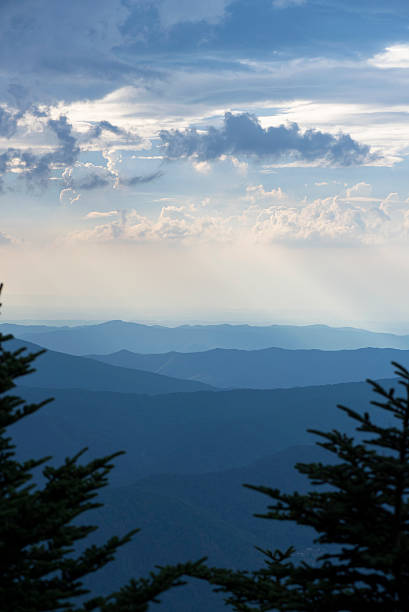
(326, 220)
(242, 135)
(174, 223)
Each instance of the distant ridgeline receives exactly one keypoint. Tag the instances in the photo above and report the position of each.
(117, 335)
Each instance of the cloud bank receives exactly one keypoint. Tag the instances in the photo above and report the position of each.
(270, 218)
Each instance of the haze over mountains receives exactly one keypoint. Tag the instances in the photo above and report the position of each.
(114, 336)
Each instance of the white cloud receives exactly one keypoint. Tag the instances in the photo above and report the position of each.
(321, 221)
(174, 223)
(395, 56)
(69, 196)
(203, 167)
(257, 194)
(360, 189)
(241, 166)
(361, 192)
(95, 214)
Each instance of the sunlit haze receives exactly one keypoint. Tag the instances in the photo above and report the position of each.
(177, 162)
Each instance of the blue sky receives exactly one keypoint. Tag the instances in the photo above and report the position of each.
(242, 161)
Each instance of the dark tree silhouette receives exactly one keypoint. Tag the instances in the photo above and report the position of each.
(39, 526)
(359, 509)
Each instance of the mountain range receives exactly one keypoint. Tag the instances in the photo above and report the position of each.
(114, 336)
(265, 368)
(59, 370)
(191, 445)
(185, 516)
(183, 433)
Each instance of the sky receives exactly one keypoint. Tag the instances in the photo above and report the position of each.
(181, 161)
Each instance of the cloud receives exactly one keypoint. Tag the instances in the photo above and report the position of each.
(323, 221)
(257, 193)
(173, 224)
(37, 168)
(69, 196)
(6, 240)
(395, 56)
(96, 130)
(43, 41)
(140, 179)
(242, 135)
(202, 167)
(95, 214)
(46, 37)
(360, 189)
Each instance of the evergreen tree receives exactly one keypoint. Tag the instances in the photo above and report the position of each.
(361, 517)
(39, 527)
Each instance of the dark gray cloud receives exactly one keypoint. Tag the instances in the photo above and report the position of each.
(37, 169)
(138, 180)
(242, 135)
(20, 97)
(97, 129)
(68, 151)
(90, 181)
